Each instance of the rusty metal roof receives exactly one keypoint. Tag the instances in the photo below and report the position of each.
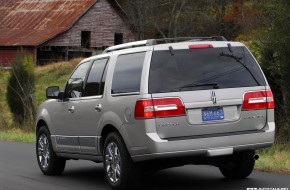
(33, 22)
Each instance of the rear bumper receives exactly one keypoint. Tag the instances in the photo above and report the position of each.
(157, 148)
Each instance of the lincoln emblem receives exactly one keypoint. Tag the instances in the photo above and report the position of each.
(213, 97)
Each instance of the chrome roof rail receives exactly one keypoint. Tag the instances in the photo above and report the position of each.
(152, 42)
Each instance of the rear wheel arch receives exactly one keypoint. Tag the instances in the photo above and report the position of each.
(107, 129)
(40, 123)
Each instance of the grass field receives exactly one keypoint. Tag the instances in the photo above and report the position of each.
(52, 75)
(275, 159)
(17, 135)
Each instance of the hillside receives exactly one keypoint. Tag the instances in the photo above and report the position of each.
(54, 74)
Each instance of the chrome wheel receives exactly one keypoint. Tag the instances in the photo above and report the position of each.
(112, 162)
(43, 151)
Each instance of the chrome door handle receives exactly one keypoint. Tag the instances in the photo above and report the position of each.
(71, 109)
(98, 107)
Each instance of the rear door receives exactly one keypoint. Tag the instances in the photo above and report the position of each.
(211, 83)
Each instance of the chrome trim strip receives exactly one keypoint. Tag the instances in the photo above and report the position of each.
(91, 97)
(165, 107)
(125, 94)
(257, 100)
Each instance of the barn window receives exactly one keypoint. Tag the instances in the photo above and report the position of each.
(118, 38)
(86, 39)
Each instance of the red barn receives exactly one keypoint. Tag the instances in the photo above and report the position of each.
(53, 30)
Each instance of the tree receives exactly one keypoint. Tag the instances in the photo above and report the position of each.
(275, 59)
(20, 88)
(138, 14)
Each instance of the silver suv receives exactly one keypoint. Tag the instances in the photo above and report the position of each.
(157, 104)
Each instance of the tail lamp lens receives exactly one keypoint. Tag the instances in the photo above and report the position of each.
(258, 100)
(159, 107)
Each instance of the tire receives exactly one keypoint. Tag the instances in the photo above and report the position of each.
(48, 162)
(120, 170)
(241, 166)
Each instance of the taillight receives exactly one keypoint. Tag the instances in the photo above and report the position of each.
(167, 107)
(144, 109)
(258, 100)
(200, 46)
(159, 107)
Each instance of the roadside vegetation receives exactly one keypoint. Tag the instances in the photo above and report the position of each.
(51, 74)
(274, 159)
(17, 135)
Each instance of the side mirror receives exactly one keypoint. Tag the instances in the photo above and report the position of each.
(52, 92)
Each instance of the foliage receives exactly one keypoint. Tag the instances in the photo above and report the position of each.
(3, 119)
(20, 88)
(274, 159)
(170, 18)
(5, 116)
(275, 60)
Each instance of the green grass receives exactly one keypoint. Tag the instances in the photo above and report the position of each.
(274, 159)
(17, 135)
(54, 74)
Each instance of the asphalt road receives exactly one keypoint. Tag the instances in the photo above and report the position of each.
(19, 171)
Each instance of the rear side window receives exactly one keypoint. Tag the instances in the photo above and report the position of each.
(127, 73)
(95, 84)
(197, 69)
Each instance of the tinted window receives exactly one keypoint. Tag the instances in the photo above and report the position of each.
(203, 66)
(94, 84)
(75, 83)
(127, 73)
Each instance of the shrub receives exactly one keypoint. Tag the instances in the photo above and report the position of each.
(20, 88)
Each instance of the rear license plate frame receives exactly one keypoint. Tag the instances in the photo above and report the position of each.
(212, 114)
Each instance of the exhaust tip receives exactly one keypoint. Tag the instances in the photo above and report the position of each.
(256, 157)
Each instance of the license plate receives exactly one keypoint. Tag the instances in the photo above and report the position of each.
(209, 114)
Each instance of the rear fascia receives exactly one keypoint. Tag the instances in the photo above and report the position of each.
(150, 146)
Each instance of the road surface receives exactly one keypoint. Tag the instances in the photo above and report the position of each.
(19, 170)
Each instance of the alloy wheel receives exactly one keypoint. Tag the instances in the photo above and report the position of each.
(113, 162)
(43, 151)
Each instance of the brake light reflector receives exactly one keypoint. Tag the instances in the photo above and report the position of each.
(258, 100)
(159, 107)
(200, 46)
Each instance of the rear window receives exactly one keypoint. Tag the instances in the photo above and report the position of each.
(201, 69)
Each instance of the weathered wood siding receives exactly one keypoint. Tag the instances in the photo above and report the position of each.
(8, 54)
(103, 21)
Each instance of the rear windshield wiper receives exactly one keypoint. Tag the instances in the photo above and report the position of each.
(238, 59)
(214, 85)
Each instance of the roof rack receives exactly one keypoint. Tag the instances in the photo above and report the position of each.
(152, 42)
